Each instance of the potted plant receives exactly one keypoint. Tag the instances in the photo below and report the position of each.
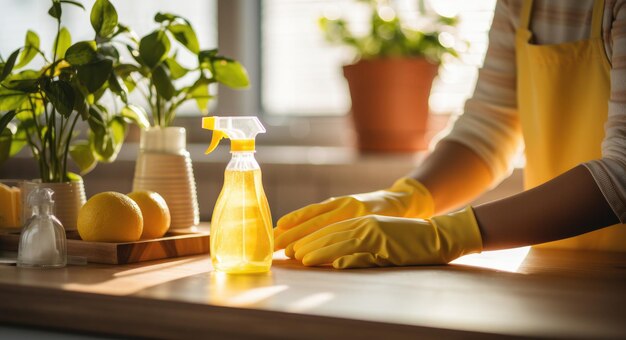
(163, 164)
(391, 77)
(40, 108)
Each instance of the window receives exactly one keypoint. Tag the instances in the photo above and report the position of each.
(301, 73)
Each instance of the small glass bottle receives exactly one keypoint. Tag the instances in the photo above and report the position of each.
(43, 240)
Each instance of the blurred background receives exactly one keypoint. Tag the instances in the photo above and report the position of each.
(297, 90)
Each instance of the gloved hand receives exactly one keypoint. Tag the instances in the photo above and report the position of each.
(406, 198)
(380, 241)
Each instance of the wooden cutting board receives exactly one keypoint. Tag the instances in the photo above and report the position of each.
(173, 244)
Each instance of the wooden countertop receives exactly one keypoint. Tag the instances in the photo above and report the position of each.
(540, 293)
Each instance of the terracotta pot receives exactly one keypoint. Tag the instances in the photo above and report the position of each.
(390, 103)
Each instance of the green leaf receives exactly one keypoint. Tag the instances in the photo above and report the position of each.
(80, 104)
(18, 141)
(200, 92)
(55, 10)
(186, 36)
(108, 50)
(107, 145)
(8, 66)
(117, 129)
(135, 54)
(103, 18)
(176, 70)
(24, 81)
(72, 177)
(205, 58)
(31, 46)
(12, 141)
(137, 115)
(116, 84)
(81, 154)
(231, 73)
(63, 42)
(6, 119)
(163, 83)
(125, 71)
(96, 121)
(161, 17)
(61, 94)
(153, 48)
(27, 111)
(11, 99)
(81, 53)
(95, 74)
(75, 3)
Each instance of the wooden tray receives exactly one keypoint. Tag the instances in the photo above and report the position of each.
(173, 244)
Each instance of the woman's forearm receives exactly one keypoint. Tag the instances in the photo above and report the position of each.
(454, 175)
(568, 205)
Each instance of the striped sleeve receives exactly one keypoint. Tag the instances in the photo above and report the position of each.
(609, 172)
(489, 125)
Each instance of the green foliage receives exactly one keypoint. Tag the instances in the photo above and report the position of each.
(81, 53)
(103, 18)
(388, 37)
(40, 108)
(158, 71)
(31, 46)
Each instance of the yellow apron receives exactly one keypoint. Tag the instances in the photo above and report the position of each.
(563, 93)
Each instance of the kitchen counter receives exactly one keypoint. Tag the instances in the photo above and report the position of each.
(514, 293)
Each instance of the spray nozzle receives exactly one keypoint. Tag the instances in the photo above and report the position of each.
(240, 130)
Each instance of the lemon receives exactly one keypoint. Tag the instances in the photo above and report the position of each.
(156, 214)
(110, 217)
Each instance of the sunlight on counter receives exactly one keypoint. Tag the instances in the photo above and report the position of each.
(508, 260)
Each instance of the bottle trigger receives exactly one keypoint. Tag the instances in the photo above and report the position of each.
(217, 136)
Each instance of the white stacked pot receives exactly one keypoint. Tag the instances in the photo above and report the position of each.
(164, 166)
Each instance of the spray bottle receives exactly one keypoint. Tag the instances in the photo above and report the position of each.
(242, 240)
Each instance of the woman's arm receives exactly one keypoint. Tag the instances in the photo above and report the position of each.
(454, 175)
(480, 148)
(568, 205)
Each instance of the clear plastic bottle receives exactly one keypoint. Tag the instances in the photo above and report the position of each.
(42, 241)
(241, 227)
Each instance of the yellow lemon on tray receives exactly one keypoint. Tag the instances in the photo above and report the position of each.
(156, 214)
(110, 217)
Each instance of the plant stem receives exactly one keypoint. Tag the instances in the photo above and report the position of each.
(53, 146)
(44, 141)
(158, 107)
(155, 118)
(67, 146)
(56, 42)
(37, 154)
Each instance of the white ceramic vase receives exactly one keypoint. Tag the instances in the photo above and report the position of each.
(164, 166)
(68, 198)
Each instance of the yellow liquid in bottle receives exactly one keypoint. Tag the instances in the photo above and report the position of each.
(242, 240)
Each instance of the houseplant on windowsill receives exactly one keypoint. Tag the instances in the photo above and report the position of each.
(390, 80)
(163, 164)
(40, 108)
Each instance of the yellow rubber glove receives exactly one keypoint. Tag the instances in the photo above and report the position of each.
(380, 241)
(406, 198)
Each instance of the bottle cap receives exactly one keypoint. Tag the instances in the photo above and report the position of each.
(40, 196)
